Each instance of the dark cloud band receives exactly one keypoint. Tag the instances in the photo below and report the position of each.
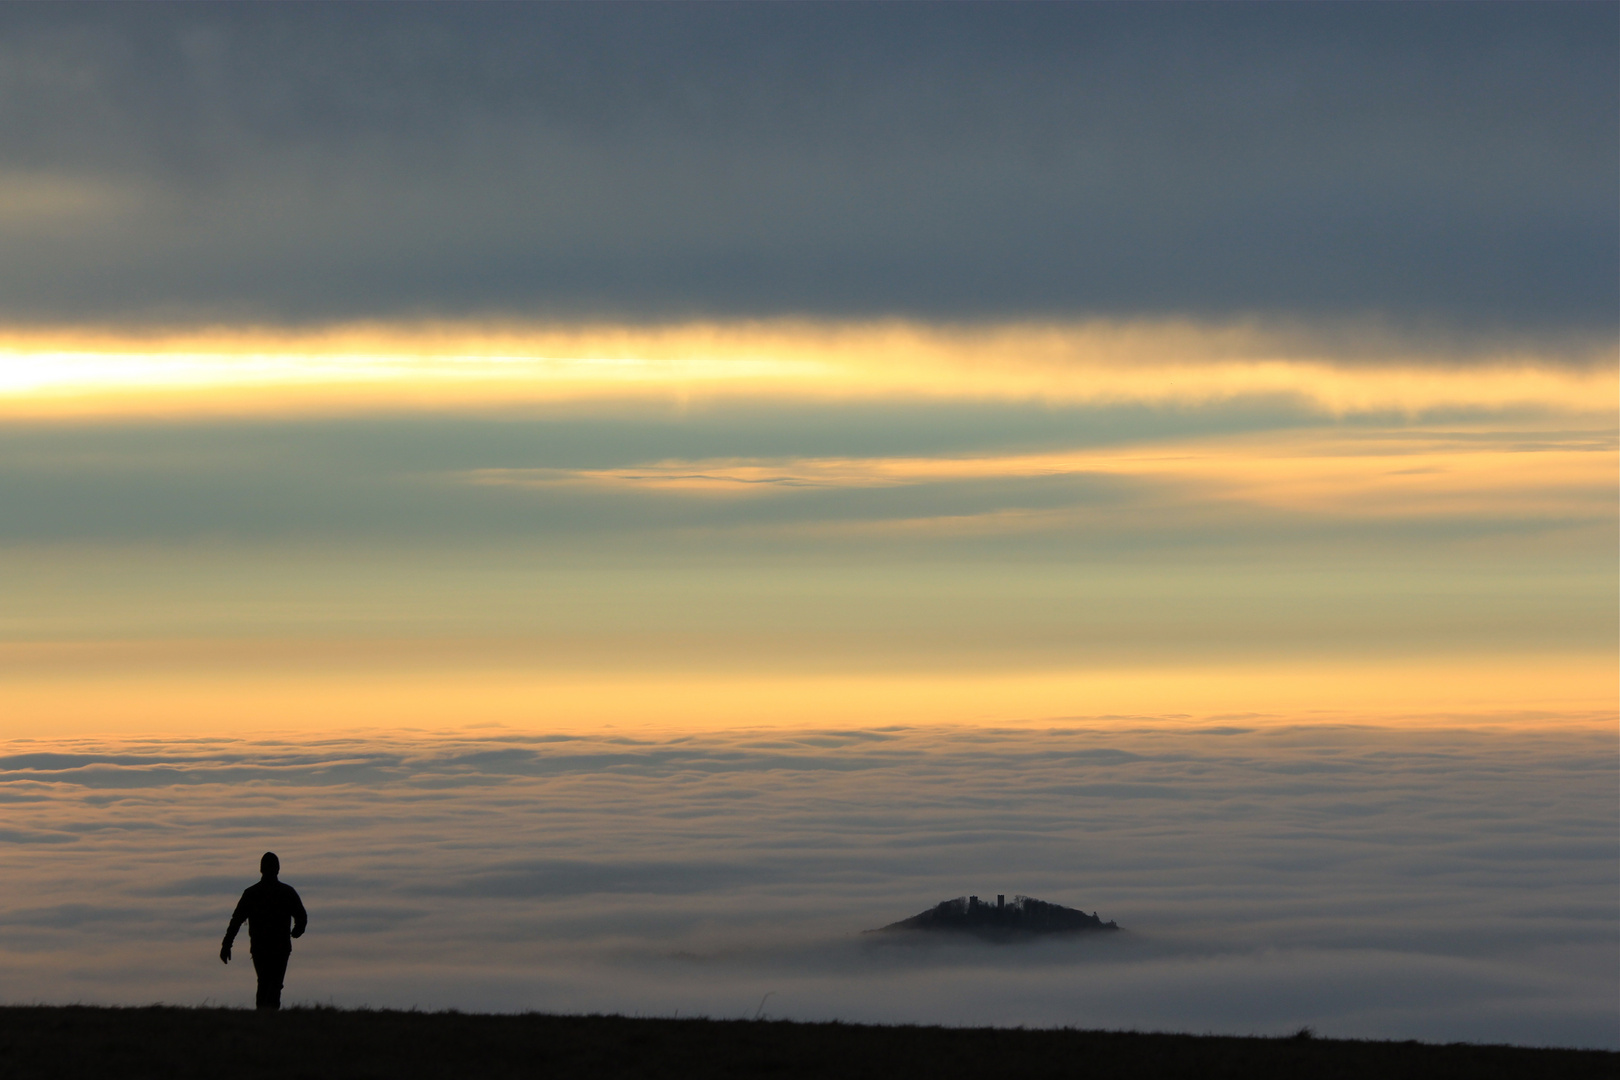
(1445, 162)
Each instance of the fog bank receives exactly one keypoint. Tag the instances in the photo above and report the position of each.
(1434, 884)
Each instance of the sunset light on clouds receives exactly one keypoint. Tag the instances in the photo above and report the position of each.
(678, 475)
(1181, 431)
(1339, 368)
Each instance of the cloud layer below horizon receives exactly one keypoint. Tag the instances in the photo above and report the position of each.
(1426, 883)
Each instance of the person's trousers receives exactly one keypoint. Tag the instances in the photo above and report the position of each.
(271, 966)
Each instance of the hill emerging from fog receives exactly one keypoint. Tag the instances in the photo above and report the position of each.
(1024, 916)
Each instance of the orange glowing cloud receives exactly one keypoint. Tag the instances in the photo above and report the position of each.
(396, 366)
(1364, 473)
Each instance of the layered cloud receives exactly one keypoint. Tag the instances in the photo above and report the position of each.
(1343, 367)
(1440, 883)
(854, 503)
(317, 164)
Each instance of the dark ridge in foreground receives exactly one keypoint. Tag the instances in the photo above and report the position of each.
(81, 1043)
(1000, 921)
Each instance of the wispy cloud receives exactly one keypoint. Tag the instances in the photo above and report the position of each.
(1339, 367)
(1361, 474)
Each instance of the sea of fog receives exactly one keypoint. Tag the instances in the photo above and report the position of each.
(1442, 883)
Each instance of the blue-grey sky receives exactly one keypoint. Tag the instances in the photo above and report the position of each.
(1445, 164)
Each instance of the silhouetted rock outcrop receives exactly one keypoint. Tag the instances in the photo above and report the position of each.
(1023, 916)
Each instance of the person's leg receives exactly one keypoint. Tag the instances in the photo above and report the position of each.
(271, 968)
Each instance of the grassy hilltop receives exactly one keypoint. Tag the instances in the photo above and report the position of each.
(96, 1043)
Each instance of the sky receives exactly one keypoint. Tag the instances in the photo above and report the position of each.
(418, 422)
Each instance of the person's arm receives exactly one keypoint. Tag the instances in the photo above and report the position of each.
(237, 918)
(300, 916)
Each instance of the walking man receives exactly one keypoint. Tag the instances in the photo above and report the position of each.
(267, 907)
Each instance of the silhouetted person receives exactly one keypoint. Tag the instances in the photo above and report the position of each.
(268, 907)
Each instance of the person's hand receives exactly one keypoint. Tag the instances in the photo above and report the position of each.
(225, 954)
(297, 933)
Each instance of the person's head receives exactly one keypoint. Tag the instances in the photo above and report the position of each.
(269, 865)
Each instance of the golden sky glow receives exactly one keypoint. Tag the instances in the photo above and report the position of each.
(1389, 472)
(1529, 692)
(393, 366)
(1475, 462)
